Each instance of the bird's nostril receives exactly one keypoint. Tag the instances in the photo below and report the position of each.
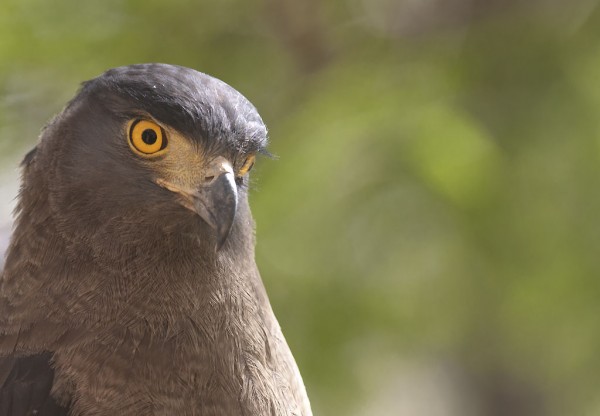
(209, 178)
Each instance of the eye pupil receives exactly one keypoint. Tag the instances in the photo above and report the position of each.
(146, 137)
(149, 136)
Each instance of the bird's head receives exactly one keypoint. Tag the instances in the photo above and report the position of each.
(152, 148)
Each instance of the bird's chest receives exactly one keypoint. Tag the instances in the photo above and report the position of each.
(134, 374)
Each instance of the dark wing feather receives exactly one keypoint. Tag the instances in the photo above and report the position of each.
(26, 381)
(25, 384)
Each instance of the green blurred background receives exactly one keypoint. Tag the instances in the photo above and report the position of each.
(429, 234)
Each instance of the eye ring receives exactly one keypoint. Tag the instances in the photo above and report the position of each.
(146, 137)
(247, 166)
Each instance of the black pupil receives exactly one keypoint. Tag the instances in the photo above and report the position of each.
(149, 136)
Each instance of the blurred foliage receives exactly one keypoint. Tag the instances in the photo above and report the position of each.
(430, 231)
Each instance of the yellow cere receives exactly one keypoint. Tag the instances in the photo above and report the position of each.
(248, 163)
(146, 137)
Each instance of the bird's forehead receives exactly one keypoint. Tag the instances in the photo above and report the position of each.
(198, 105)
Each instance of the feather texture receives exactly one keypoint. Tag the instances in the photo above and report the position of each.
(113, 300)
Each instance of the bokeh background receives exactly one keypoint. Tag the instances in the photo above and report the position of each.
(430, 232)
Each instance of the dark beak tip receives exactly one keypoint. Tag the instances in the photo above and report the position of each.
(217, 205)
(221, 239)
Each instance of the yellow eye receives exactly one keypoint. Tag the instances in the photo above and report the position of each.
(248, 163)
(147, 137)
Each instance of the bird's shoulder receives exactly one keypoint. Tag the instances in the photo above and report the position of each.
(25, 386)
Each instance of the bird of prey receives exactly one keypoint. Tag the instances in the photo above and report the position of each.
(130, 285)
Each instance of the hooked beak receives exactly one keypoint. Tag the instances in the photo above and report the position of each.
(216, 203)
(215, 200)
